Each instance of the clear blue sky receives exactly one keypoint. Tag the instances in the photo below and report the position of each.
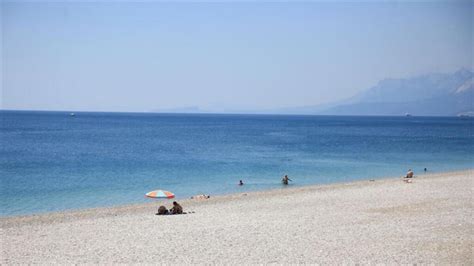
(221, 56)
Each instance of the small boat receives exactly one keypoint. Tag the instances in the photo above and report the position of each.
(407, 114)
(72, 114)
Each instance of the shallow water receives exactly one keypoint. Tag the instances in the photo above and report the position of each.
(52, 161)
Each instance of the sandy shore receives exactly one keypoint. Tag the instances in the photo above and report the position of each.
(384, 221)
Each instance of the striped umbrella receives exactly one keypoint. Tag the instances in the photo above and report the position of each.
(160, 194)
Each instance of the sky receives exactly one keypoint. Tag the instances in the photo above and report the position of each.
(220, 56)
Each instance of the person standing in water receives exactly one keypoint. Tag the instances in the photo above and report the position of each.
(241, 183)
(409, 174)
(285, 180)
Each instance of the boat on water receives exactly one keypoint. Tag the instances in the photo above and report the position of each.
(407, 114)
(72, 114)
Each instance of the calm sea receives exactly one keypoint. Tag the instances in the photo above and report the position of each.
(52, 161)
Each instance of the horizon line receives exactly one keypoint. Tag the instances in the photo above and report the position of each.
(217, 113)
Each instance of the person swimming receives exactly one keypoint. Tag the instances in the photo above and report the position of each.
(241, 183)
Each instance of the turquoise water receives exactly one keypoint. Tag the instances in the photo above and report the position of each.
(51, 161)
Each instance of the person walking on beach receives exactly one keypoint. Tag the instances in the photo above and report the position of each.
(177, 209)
(285, 180)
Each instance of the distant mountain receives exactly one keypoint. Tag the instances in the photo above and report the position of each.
(430, 95)
(184, 110)
(427, 95)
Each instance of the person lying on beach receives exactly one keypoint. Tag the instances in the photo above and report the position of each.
(177, 209)
(201, 196)
(162, 210)
(285, 180)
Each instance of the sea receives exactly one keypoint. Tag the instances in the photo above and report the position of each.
(55, 161)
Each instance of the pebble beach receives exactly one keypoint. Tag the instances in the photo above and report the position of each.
(371, 221)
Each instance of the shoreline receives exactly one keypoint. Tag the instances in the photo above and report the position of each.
(187, 202)
(386, 221)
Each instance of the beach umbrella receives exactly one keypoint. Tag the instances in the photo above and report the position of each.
(160, 194)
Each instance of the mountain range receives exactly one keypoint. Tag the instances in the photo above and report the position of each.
(427, 95)
(435, 94)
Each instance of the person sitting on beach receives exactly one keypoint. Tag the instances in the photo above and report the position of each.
(409, 174)
(162, 210)
(285, 180)
(177, 209)
(241, 183)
